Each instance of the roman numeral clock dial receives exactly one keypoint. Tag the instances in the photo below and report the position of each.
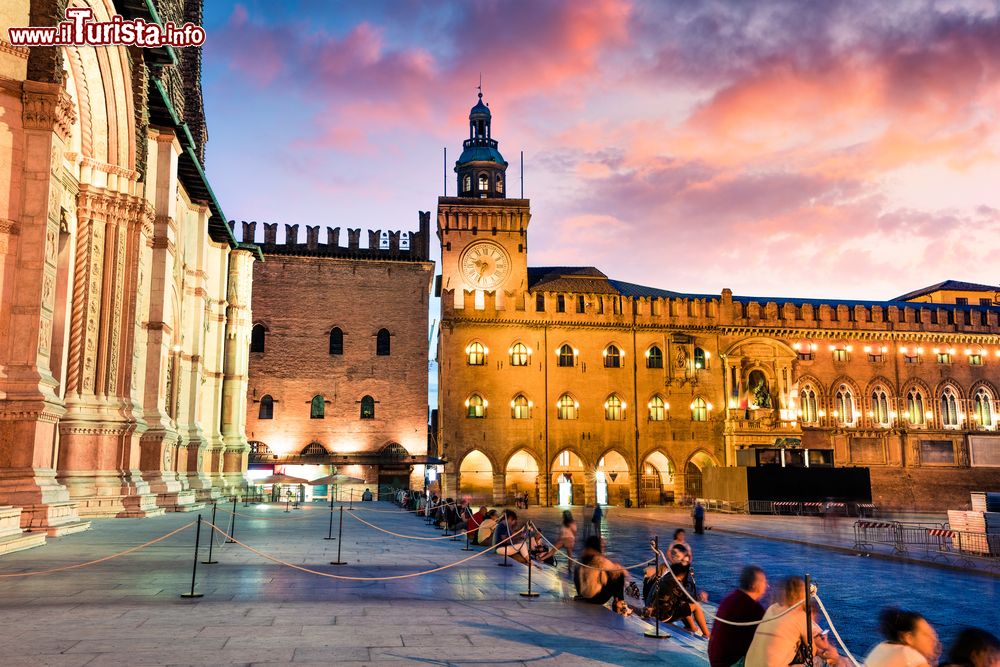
(484, 265)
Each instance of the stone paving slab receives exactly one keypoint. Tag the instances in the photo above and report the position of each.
(128, 611)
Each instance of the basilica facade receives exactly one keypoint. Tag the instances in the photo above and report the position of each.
(572, 387)
(124, 296)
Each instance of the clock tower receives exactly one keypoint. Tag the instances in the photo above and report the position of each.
(483, 234)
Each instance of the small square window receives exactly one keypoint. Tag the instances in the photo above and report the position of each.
(911, 359)
(875, 358)
(840, 354)
(805, 356)
(943, 358)
(975, 360)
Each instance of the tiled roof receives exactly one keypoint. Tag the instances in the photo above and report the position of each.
(953, 285)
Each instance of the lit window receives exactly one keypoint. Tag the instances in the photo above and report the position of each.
(807, 400)
(612, 357)
(699, 410)
(484, 182)
(500, 184)
(657, 409)
(844, 401)
(880, 407)
(975, 360)
(367, 407)
(840, 354)
(476, 354)
(336, 341)
(654, 357)
(475, 407)
(257, 335)
(382, 343)
(317, 408)
(567, 357)
(520, 407)
(467, 183)
(949, 409)
(943, 358)
(983, 407)
(564, 458)
(614, 408)
(915, 407)
(700, 358)
(567, 407)
(519, 354)
(266, 408)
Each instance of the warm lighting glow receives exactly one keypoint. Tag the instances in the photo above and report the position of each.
(814, 347)
(836, 413)
(929, 414)
(892, 414)
(177, 348)
(466, 402)
(708, 355)
(849, 348)
(485, 403)
(968, 351)
(871, 414)
(832, 347)
(511, 402)
(885, 348)
(868, 348)
(794, 424)
(531, 404)
(709, 406)
(528, 349)
(937, 350)
(666, 406)
(920, 350)
(647, 354)
(624, 405)
(796, 345)
(822, 413)
(576, 352)
(732, 403)
(951, 350)
(903, 350)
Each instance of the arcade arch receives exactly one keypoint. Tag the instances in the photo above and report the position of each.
(475, 476)
(613, 481)
(699, 462)
(658, 475)
(568, 479)
(521, 475)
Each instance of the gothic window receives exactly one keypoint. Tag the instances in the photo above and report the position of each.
(654, 357)
(266, 408)
(657, 409)
(880, 407)
(317, 407)
(612, 357)
(699, 410)
(500, 184)
(949, 408)
(983, 407)
(700, 358)
(257, 335)
(475, 407)
(467, 183)
(336, 341)
(807, 400)
(382, 343)
(614, 408)
(367, 407)
(567, 407)
(519, 354)
(484, 182)
(520, 407)
(915, 407)
(476, 354)
(844, 400)
(567, 356)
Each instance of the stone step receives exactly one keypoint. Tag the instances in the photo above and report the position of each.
(12, 543)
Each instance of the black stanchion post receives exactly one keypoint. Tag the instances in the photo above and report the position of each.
(288, 501)
(211, 540)
(246, 494)
(194, 568)
(529, 531)
(505, 563)
(340, 535)
(232, 527)
(350, 502)
(656, 594)
(809, 623)
(467, 547)
(329, 531)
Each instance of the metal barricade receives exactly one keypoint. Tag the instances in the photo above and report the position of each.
(867, 534)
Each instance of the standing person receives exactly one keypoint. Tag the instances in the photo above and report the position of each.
(974, 648)
(565, 541)
(699, 518)
(597, 517)
(910, 641)
(729, 643)
(781, 639)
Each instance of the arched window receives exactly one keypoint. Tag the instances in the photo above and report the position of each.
(880, 407)
(484, 183)
(336, 341)
(657, 409)
(700, 358)
(317, 408)
(983, 407)
(612, 357)
(567, 407)
(476, 354)
(519, 354)
(567, 356)
(257, 335)
(520, 407)
(699, 410)
(654, 357)
(500, 184)
(266, 408)
(466, 183)
(367, 407)
(382, 343)
(915, 407)
(614, 408)
(949, 408)
(844, 400)
(807, 401)
(475, 407)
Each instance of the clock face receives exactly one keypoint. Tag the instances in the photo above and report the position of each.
(484, 265)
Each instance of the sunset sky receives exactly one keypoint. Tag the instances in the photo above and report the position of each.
(783, 148)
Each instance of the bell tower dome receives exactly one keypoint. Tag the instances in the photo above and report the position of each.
(481, 169)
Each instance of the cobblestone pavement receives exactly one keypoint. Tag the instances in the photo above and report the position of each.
(127, 611)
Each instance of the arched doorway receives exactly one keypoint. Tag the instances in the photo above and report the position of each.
(522, 476)
(613, 479)
(657, 479)
(696, 466)
(568, 479)
(475, 477)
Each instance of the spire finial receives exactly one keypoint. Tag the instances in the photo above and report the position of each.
(480, 86)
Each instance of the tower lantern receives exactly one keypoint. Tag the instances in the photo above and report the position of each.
(481, 169)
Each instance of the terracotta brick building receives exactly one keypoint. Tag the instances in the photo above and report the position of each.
(338, 355)
(574, 387)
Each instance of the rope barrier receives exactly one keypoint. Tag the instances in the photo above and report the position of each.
(401, 511)
(836, 634)
(581, 564)
(269, 518)
(412, 537)
(349, 578)
(99, 560)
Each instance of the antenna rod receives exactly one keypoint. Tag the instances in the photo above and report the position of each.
(445, 171)
(522, 174)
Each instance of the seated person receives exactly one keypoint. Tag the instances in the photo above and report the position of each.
(484, 536)
(598, 579)
(474, 521)
(779, 642)
(678, 553)
(565, 541)
(729, 643)
(367, 496)
(667, 601)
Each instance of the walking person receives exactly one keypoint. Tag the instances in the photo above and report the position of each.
(698, 512)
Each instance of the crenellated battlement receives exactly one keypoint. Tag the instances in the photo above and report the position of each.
(395, 245)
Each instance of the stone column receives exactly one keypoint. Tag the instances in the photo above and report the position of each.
(239, 322)
(589, 487)
(499, 488)
(39, 117)
(449, 484)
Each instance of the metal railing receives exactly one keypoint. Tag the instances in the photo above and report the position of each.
(933, 540)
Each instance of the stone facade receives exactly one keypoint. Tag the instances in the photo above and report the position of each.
(322, 312)
(124, 296)
(563, 383)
